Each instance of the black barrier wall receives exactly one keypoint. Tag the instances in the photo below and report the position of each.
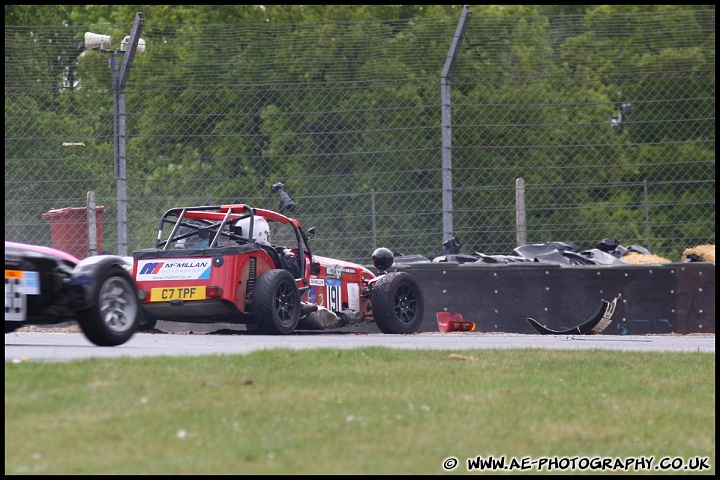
(655, 299)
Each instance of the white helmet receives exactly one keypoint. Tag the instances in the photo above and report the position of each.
(261, 229)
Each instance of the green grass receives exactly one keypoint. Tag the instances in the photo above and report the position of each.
(364, 411)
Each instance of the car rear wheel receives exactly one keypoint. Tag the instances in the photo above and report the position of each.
(276, 302)
(112, 319)
(397, 303)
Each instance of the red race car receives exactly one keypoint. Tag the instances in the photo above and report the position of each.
(252, 266)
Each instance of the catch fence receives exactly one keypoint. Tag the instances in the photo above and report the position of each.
(609, 120)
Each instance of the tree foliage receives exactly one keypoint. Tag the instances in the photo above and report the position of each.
(579, 100)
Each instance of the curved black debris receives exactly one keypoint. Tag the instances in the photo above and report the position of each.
(595, 325)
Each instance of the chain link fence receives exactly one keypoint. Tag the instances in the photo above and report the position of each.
(608, 120)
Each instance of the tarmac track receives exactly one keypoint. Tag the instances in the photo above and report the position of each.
(66, 344)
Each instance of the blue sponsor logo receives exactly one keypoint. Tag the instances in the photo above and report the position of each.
(32, 281)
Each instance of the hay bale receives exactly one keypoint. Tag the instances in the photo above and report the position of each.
(637, 258)
(706, 252)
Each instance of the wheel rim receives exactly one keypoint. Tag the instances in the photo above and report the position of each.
(118, 307)
(405, 304)
(285, 304)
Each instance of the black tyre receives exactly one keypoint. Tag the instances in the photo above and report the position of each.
(12, 326)
(397, 303)
(113, 319)
(276, 302)
(145, 321)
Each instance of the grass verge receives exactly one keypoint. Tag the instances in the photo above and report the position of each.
(363, 411)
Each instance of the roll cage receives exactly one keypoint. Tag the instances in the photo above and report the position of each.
(213, 226)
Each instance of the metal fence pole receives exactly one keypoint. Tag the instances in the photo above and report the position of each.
(120, 159)
(121, 177)
(92, 225)
(520, 213)
(372, 200)
(119, 81)
(647, 213)
(447, 184)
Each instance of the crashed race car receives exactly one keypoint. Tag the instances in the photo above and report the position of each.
(244, 265)
(48, 286)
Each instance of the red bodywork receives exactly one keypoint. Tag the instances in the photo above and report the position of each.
(216, 282)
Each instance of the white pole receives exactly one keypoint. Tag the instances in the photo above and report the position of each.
(92, 225)
(520, 218)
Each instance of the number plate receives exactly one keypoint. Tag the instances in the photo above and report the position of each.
(177, 293)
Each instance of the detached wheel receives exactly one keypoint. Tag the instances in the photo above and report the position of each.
(397, 303)
(12, 326)
(113, 318)
(145, 321)
(276, 302)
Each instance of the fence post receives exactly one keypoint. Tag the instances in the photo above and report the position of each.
(119, 81)
(92, 225)
(372, 200)
(520, 218)
(446, 128)
(647, 213)
(120, 155)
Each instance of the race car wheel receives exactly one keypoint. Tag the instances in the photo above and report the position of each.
(12, 326)
(145, 321)
(276, 302)
(397, 303)
(113, 318)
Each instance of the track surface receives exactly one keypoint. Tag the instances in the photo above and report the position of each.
(58, 345)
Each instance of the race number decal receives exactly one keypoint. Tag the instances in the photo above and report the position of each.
(334, 295)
